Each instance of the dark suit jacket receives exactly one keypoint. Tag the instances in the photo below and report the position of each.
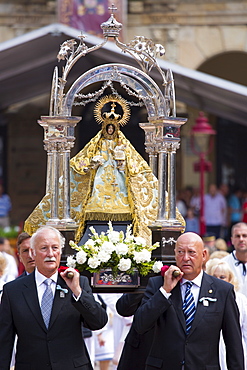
(22, 275)
(171, 348)
(136, 346)
(61, 347)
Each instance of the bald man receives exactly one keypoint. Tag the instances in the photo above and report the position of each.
(188, 312)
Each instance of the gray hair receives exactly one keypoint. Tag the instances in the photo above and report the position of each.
(44, 228)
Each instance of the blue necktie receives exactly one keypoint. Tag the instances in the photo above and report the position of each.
(189, 307)
(46, 302)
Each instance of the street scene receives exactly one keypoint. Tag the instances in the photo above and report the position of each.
(123, 185)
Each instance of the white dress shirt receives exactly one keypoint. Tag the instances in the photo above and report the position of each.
(238, 271)
(39, 279)
(195, 289)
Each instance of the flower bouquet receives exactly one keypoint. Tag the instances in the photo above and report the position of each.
(116, 250)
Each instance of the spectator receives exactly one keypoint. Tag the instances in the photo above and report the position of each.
(215, 211)
(3, 265)
(237, 259)
(244, 208)
(5, 207)
(11, 271)
(186, 195)
(192, 222)
(220, 244)
(235, 207)
(224, 190)
(218, 254)
(24, 253)
(195, 202)
(181, 206)
(221, 270)
(209, 242)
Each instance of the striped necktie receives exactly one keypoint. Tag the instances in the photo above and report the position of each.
(46, 302)
(189, 307)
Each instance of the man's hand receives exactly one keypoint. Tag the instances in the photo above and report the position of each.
(74, 283)
(170, 281)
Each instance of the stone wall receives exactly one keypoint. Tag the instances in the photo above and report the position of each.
(22, 16)
(191, 31)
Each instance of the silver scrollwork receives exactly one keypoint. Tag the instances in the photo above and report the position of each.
(171, 241)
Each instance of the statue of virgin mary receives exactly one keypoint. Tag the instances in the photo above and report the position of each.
(109, 179)
(118, 184)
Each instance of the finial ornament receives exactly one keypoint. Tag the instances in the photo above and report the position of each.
(112, 27)
(112, 8)
(142, 49)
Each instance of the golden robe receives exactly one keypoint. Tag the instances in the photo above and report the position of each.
(106, 193)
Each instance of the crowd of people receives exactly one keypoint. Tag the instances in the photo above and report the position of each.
(196, 319)
(149, 330)
(222, 209)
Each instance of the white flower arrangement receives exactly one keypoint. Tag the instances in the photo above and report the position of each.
(115, 250)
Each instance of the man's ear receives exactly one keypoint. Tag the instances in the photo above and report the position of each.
(205, 254)
(33, 254)
(19, 256)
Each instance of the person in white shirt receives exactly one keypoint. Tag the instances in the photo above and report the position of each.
(3, 265)
(11, 271)
(221, 270)
(237, 260)
(215, 209)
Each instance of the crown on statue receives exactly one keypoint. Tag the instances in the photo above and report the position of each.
(111, 119)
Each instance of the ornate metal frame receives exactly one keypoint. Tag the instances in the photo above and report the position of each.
(162, 131)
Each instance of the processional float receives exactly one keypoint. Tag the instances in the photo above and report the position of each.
(162, 131)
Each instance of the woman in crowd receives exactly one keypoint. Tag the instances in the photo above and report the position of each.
(220, 269)
(3, 265)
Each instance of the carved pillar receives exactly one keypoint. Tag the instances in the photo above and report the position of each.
(49, 157)
(58, 141)
(150, 146)
(52, 177)
(171, 179)
(167, 227)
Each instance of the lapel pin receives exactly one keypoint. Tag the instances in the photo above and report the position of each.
(205, 300)
(62, 291)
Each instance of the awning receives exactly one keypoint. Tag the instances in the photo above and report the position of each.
(27, 63)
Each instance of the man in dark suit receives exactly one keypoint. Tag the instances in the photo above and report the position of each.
(208, 307)
(136, 346)
(24, 253)
(54, 341)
